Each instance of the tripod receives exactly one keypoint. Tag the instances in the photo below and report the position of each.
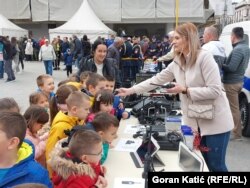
(148, 158)
(148, 162)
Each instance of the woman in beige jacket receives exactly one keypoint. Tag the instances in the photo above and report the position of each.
(197, 81)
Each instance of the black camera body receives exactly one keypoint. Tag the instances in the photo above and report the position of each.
(170, 141)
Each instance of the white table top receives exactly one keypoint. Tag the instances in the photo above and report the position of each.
(120, 163)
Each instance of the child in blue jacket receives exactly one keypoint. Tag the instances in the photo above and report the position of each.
(68, 59)
(118, 106)
(17, 165)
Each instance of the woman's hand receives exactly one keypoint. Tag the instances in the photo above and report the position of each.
(177, 89)
(124, 91)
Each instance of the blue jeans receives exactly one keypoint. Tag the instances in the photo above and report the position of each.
(48, 66)
(215, 157)
(78, 59)
(1, 69)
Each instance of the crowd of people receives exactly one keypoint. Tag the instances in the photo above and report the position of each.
(127, 52)
(63, 138)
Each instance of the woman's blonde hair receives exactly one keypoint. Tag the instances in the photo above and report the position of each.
(190, 33)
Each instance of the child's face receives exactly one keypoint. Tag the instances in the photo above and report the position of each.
(82, 110)
(100, 86)
(43, 102)
(95, 156)
(110, 85)
(36, 127)
(106, 107)
(48, 85)
(110, 134)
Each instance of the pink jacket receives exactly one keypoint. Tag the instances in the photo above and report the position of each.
(39, 142)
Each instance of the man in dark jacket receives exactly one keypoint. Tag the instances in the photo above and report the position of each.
(8, 54)
(77, 53)
(233, 74)
(114, 50)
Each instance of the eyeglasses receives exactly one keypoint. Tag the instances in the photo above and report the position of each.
(95, 154)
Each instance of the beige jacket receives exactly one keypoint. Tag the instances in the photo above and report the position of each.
(169, 56)
(204, 86)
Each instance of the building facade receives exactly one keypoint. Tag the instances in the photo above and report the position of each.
(241, 13)
(136, 17)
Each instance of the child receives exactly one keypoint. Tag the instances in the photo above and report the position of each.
(78, 105)
(76, 84)
(103, 102)
(84, 77)
(68, 59)
(79, 164)
(74, 77)
(94, 83)
(9, 105)
(106, 125)
(40, 99)
(36, 117)
(46, 85)
(17, 163)
(58, 102)
(117, 105)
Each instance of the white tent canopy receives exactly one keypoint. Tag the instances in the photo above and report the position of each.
(7, 28)
(84, 21)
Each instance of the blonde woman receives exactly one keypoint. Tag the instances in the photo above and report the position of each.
(197, 81)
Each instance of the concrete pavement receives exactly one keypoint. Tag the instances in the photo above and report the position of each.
(238, 153)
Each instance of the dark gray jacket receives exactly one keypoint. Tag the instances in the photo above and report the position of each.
(236, 64)
(110, 68)
(114, 53)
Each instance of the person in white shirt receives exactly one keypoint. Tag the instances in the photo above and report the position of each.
(213, 45)
(47, 54)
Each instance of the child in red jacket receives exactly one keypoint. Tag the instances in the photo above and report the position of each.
(79, 164)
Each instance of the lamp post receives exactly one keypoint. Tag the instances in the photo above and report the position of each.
(224, 15)
(176, 12)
